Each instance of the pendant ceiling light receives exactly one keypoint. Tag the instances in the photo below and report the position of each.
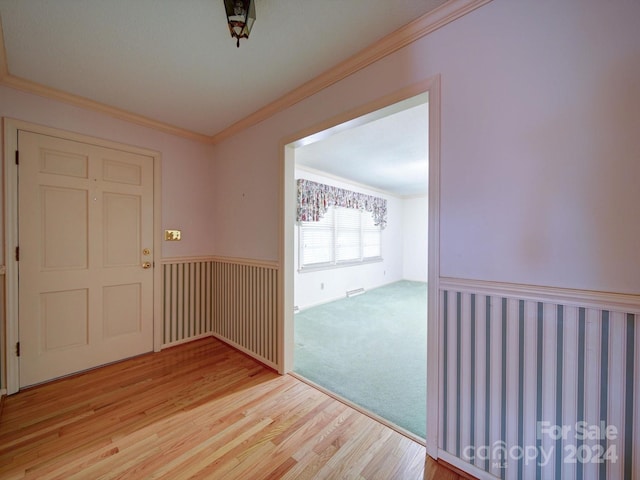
(240, 14)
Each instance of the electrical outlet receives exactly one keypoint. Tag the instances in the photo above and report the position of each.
(322, 286)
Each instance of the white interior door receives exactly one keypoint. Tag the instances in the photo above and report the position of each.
(85, 217)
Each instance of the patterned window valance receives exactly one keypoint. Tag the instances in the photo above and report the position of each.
(315, 198)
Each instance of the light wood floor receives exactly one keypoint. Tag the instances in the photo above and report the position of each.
(199, 410)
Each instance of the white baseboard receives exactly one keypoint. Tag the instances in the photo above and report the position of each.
(333, 299)
(186, 340)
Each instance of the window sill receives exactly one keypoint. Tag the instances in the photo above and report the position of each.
(332, 266)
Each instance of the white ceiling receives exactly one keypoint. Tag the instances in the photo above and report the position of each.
(174, 61)
(387, 150)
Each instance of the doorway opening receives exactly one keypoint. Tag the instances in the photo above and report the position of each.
(383, 153)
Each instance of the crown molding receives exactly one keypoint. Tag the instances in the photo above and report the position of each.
(121, 114)
(446, 13)
(402, 37)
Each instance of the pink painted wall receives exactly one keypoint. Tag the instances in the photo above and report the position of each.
(540, 145)
(186, 165)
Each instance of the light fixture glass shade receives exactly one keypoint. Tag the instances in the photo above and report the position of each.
(240, 16)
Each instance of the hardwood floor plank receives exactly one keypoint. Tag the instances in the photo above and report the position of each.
(384, 464)
(309, 466)
(350, 462)
(199, 410)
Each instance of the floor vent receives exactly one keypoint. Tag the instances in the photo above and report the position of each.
(353, 293)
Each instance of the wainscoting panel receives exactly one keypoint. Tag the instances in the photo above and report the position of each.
(532, 388)
(245, 308)
(233, 300)
(187, 300)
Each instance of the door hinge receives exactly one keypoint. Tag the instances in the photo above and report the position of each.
(18, 349)
(17, 157)
(17, 254)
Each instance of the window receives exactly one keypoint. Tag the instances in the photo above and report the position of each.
(343, 236)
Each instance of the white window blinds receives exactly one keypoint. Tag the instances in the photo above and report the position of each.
(341, 236)
(348, 235)
(316, 240)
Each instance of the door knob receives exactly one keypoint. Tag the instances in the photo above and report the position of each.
(146, 265)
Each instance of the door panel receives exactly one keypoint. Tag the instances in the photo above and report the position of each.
(122, 309)
(122, 214)
(119, 172)
(85, 217)
(65, 231)
(63, 319)
(64, 163)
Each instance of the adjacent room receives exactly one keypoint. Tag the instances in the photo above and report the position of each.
(360, 261)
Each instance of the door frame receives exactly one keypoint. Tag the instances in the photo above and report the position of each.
(431, 86)
(11, 128)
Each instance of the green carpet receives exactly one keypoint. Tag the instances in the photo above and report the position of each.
(372, 350)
